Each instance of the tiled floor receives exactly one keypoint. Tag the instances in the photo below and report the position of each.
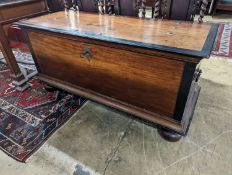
(98, 140)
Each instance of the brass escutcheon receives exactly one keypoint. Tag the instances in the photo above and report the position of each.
(86, 53)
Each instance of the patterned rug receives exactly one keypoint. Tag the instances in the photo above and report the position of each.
(28, 118)
(25, 62)
(223, 42)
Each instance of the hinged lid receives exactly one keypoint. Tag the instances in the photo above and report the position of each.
(186, 38)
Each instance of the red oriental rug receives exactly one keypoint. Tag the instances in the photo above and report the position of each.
(223, 42)
(28, 118)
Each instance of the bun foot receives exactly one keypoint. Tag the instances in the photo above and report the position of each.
(50, 88)
(169, 135)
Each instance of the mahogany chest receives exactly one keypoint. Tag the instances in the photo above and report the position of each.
(147, 68)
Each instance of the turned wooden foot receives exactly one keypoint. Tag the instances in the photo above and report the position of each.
(169, 135)
(50, 88)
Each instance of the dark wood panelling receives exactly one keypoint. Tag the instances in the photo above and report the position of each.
(22, 9)
(175, 8)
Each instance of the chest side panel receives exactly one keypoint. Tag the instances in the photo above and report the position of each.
(148, 82)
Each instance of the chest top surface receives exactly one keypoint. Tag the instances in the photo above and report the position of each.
(188, 38)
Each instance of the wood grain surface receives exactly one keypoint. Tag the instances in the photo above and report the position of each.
(137, 79)
(176, 34)
(109, 59)
(21, 8)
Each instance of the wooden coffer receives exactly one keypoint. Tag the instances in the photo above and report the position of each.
(153, 82)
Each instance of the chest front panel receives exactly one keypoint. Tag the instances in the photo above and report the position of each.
(148, 82)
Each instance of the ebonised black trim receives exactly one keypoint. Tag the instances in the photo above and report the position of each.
(186, 82)
(208, 46)
(200, 54)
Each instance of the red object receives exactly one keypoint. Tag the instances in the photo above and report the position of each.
(29, 118)
(17, 38)
(18, 45)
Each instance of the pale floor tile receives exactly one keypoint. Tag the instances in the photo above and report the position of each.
(142, 151)
(91, 136)
(202, 162)
(40, 164)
